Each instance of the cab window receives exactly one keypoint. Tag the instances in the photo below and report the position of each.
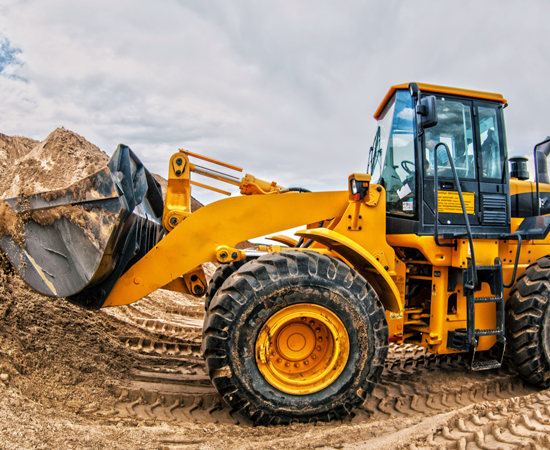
(391, 161)
(454, 128)
(491, 159)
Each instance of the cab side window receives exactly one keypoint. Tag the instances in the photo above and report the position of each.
(454, 128)
(491, 158)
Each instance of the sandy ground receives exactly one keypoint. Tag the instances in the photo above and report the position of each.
(59, 363)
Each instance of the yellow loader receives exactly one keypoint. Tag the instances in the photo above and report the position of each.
(438, 244)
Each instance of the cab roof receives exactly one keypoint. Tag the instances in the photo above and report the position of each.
(440, 90)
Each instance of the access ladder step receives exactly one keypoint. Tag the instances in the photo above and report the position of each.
(485, 365)
(493, 332)
(488, 299)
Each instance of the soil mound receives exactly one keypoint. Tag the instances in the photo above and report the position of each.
(55, 163)
(53, 353)
(13, 148)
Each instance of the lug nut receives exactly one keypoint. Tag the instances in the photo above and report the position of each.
(297, 365)
(317, 330)
(313, 356)
(319, 348)
(306, 363)
(279, 360)
(287, 364)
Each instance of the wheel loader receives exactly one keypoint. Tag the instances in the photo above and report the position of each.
(438, 243)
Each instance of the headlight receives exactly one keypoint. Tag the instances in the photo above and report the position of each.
(353, 185)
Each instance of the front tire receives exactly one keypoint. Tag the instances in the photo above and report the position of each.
(528, 323)
(326, 350)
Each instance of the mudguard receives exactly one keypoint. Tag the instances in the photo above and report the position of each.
(363, 261)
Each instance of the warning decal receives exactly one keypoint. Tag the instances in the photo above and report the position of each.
(449, 202)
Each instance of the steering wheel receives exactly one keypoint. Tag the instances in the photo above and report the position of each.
(405, 166)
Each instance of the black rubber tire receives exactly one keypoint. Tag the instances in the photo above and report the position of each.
(222, 273)
(528, 323)
(263, 287)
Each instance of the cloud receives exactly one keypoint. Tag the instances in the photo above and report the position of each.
(284, 89)
(9, 61)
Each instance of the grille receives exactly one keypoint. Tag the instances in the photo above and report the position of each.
(494, 209)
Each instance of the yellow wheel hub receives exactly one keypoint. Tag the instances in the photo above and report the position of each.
(302, 349)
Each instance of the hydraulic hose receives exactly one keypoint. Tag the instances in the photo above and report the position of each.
(294, 189)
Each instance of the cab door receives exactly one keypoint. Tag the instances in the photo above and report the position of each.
(457, 129)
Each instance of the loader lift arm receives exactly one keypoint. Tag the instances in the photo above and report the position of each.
(225, 222)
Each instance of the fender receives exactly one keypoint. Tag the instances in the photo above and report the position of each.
(363, 261)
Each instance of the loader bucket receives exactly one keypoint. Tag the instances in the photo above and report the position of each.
(76, 242)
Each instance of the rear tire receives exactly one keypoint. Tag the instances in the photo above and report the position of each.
(528, 323)
(265, 289)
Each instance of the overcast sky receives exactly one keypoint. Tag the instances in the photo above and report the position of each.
(285, 89)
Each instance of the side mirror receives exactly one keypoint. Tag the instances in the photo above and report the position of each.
(542, 150)
(427, 110)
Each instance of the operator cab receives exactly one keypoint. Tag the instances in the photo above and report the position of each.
(401, 159)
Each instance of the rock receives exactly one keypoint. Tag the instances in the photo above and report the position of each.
(4, 377)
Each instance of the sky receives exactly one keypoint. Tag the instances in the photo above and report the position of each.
(285, 89)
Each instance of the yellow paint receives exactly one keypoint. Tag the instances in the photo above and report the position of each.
(426, 88)
(226, 254)
(286, 240)
(177, 205)
(449, 202)
(212, 188)
(437, 256)
(215, 161)
(225, 222)
(363, 261)
(485, 250)
(302, 349)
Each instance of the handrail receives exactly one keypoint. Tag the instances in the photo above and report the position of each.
(464, 212)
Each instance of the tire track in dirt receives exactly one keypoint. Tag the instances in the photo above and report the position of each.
(169, 381)
(514, 423)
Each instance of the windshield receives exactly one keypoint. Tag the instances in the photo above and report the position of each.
(391, 161)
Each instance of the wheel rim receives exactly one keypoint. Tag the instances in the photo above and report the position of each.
(302, 349)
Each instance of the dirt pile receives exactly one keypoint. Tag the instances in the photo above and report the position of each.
(13, 148)
(62, 158)
(53, 356)
(58, 161)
